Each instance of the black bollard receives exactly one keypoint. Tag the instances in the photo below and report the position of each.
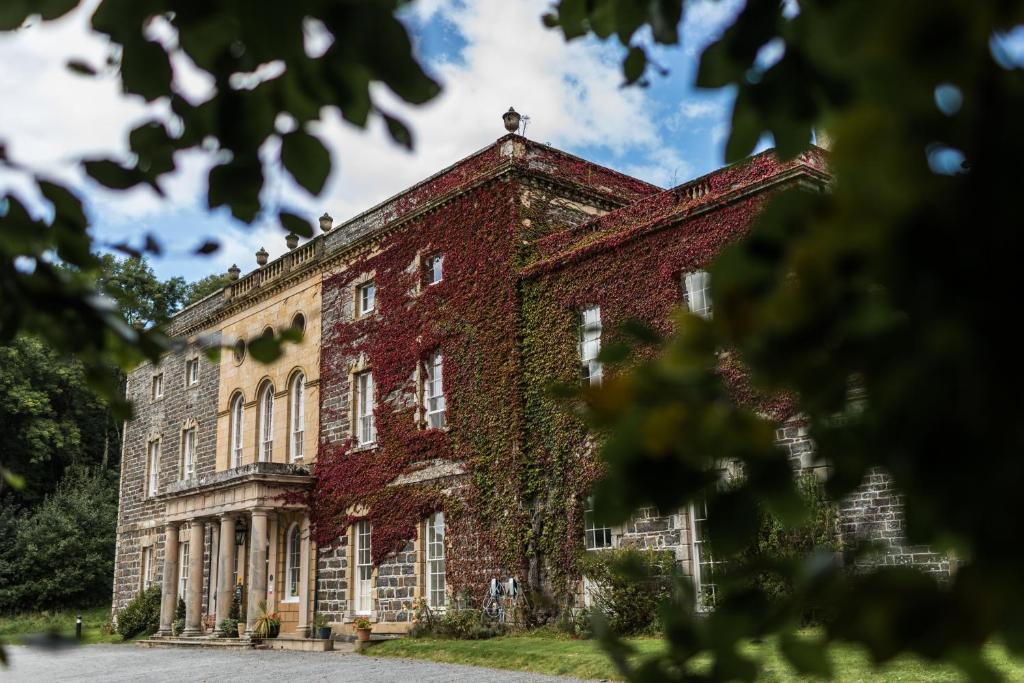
(78, 627)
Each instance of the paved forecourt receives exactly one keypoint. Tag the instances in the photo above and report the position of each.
(131, 663)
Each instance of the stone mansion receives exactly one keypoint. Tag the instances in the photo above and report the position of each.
(431, 326)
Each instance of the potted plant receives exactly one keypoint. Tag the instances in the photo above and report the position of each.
(321, 629)
(229, 627)
(268, 624)
(362, 626)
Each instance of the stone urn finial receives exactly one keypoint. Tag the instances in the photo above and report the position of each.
(234, 271)
(326, 222)
(292, 240)
(261, 257)
(511, 119)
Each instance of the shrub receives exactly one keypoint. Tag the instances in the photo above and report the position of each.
(141, 615)
(463, 623)
(627, 585)
(229, 626)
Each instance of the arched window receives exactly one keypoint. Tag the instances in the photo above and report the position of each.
(297, 415)
(266, 426)
(237, 430)
(293, 563)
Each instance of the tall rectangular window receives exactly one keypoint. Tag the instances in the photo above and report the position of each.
(436, 591)
(148, 569)
(158, 386)
(366, 432)
(435, 269)
(366, 298)
(433, 391)
(697, 290)
(298, 421)
(182, 569)
(704, 563)
(363, 599)
(188, 453)
(590, 344)
(597, 536)
(192, 371)
(152, 468)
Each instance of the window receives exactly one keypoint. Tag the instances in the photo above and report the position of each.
(697, 290)
(158, 386)
(148, 569)
(293, 563)
(237, 417)
(298, 414)
(435, 269)
(704, 563)
(590, 344)
(266, 427)
(363, 599)
(188, 453)
(152, 467)
(597, 537)
(299, 323)
(366, 298)
(182, 569)
(192, 371)
(239, 350)
(433, 391)
(366, 432)
(435, 560)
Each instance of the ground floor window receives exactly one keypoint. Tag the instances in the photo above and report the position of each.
(435, 561)
(704, 563)
(293, 562)
(597, 536)
(148, 567)
(362, 602)
(182, 569)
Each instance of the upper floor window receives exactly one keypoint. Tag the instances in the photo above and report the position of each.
(152, 467)
(299, 323)
(434, 269)
(158, 386)
(293, 563)
(237, 417)
(297, 414)
(436, 591)
(188, 453)
(598, 536)
(238, 351)
(192, 371)
(366, 298)
(433, 391)
(362, 602)
(366, 432)
(590, 344)
(697, 290)
(266, 423)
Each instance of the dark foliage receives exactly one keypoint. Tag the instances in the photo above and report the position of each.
(141, 616)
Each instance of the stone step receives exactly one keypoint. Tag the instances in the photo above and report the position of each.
(301, 644)
(199, 642)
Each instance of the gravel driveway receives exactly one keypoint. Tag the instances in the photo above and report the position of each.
(133, 663)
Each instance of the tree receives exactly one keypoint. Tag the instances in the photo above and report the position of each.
(142, 299)
(202, 288)
(882, 303)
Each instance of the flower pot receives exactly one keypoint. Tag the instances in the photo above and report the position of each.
(274, 631)
(324, 633)
(363, 634)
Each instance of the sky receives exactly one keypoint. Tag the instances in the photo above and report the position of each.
(487, 54)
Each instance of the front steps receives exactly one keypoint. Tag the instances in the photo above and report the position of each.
(215, 643)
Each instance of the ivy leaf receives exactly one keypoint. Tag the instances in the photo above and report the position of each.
(207, 247)
(54, 9)
(807, 656)
(633, 65)
(265, 348)
(13, 14)
(306, 159)
(114, 175)
(399, 132)
(294, 223)
(145, 69)
(81, 68)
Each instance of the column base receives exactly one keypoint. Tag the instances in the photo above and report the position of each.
(192, 632)
(165, 633)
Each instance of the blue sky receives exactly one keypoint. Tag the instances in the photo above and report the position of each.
(488, 55)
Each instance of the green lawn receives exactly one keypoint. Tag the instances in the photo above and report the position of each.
(584, 659)
(15, 628)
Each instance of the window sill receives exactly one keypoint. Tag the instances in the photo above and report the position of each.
(365, 447)
(290, 601)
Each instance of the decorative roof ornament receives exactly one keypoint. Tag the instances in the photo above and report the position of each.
(234, 271)
(261, 257)
(511, 119)
(326, 222)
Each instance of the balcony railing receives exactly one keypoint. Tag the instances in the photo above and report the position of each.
(277, 269)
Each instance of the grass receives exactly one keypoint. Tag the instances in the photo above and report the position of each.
(545, 654)
(15, 628)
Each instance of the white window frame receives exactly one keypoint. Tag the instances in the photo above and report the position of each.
(265, 447)
(435, 405)
(366, 402)
(697, 291)
(182, 569)
(293, 563)
(157, 389)
(435, 269)
(237, 425)
(362, 597)
(188, 453)
(366, 298)
(147, 567)
(192, 371)
(298, 416)
(434, 562)
(595, 537)
(590, 345)
(152, 467)
(702, 559)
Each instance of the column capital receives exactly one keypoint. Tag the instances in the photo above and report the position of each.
(175, 525)
(261, 511)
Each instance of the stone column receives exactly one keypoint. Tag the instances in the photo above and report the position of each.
(257, 567)
(303, 577)
(194, 589)
(225, 568)
(211, 593)
(169, 594)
